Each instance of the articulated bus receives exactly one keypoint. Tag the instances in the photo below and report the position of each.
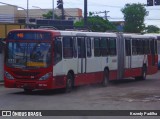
(52, 59)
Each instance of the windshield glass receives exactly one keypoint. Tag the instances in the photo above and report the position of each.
(28, 55)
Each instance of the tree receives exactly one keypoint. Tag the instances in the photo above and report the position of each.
(134, 15)
(96, 24)
(152, 29)
(49, 15)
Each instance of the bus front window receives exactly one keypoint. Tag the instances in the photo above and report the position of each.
(28, 55)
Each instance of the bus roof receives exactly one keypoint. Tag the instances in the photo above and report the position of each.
(138, 36)
(94, 34)
(72, 33)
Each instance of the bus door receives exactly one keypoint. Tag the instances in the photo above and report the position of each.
(153, 49)
(121, 59)
(81, 55)
(128, 55)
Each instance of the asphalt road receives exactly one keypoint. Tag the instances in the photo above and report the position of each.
(120, 95)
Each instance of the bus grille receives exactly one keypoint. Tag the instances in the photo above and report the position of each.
(25, 75)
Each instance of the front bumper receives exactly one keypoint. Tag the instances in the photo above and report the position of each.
(51, 83)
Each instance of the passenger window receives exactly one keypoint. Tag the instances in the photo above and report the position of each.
(75, 47)
(152, 48)
(140, 46)
(134, 46)
(143, 46)
(155, 46)
(89, 51)
(104, 46)
(81, 47)
(146, 46)
(97, 52)
(112, 46)
(128, 47)
(57, 50)
(67, 47)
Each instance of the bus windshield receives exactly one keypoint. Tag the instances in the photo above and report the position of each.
(28, 55)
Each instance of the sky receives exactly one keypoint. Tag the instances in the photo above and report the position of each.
(113, 6)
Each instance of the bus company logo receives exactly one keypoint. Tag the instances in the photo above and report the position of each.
(6, 113)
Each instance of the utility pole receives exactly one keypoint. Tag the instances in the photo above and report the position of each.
(27, 19)
(63, 17)
(105, 14)
(85, 13)
(60, 6)
(53, 10)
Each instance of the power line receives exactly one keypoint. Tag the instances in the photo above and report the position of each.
(104, 5)
(153, 19)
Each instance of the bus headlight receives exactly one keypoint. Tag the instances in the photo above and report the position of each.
(46, 76)
(8, 76)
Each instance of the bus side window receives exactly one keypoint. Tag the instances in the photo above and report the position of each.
(112, 46)
(81, 47)
(146, 46)
(128, 47)
(104, 46)
(57, 50)
(138, 46)
(67, 47)
(97, 52)
(152, 48)
(89, 52)
(134, 46)
(75, 47)
(155, 46)
(141, 45)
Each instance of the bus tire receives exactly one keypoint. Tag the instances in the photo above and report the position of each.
(27, 90)
(69, 83)
(144, 74)
(105, 81)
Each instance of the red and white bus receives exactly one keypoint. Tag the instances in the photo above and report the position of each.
(51, 59)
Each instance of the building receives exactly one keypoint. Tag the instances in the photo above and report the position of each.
(11, 14)
(8, 14)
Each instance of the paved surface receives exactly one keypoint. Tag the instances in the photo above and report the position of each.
(120, 95)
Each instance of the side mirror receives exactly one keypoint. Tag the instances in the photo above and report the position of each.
(3, 40)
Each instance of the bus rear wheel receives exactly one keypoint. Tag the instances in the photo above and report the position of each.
(144, 74)
(105, 78)
(69, 83)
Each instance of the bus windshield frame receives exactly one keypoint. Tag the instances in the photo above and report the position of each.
(34, 51)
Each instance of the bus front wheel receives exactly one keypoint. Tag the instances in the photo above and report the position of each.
(27, 90)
